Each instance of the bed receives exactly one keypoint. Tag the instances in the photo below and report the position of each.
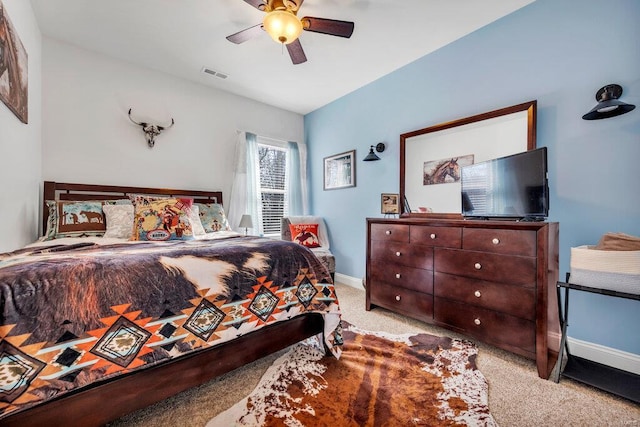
(93, 329)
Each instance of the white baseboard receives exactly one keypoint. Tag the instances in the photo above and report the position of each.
(598, 353)
(354, 282)
(606, 355)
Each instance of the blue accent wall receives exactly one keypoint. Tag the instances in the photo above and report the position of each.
(558, 52)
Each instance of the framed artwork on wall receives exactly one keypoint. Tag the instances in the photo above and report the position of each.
(13, 69)
(340, 171)
(389, 203)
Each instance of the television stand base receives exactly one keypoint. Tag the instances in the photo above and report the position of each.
(530, 219)
(503, 218)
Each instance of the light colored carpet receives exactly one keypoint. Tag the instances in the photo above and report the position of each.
(517, 397)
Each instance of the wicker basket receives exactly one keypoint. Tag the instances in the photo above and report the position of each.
(613, 270)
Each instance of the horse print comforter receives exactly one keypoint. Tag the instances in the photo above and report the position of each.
(72, 315)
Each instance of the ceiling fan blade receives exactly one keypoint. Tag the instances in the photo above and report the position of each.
(328, 26)
(246, 34)
(258, 4)
(296, 52)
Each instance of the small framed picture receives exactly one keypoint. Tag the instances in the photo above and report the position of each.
(340, 171)
(389, 203)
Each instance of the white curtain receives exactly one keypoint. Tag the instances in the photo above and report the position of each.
(244, 189)
(245, 197)
(297, 195)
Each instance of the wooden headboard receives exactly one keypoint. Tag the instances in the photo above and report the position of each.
(66, 191)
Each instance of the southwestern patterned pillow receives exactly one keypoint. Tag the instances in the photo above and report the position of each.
(69, 218)
(162, 219)
(305, 234)
(212, 217)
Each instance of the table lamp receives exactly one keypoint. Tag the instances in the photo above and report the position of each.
(246, 222)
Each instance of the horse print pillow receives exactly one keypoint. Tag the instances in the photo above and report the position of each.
(75, 219)
(305, 234)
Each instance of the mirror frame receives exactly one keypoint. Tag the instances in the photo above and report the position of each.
(531, 109)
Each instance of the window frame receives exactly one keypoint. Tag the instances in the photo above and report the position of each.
(280, 146)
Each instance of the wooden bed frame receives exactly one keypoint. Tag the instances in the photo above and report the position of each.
(65, 191)
(108, 400)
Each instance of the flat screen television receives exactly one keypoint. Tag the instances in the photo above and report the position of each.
(512, 187)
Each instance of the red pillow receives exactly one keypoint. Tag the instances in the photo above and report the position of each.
(305, 234)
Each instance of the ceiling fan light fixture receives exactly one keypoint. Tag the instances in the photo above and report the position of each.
(282, 25)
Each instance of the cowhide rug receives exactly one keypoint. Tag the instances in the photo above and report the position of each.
(380, 380)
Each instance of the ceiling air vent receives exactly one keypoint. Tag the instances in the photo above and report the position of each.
(215, 73)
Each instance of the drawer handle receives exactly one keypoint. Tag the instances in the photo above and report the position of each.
(477, 266)
(477, 321)
(398, 275)
(495, 241)
(477, 294)
(397, 297)
(433, 236)
(388, 232)
(398, 254)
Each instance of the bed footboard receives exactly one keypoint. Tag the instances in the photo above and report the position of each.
(110, 400)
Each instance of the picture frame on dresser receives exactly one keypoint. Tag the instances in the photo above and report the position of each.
(389, 203)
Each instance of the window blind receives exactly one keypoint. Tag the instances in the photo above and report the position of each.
(272, 166)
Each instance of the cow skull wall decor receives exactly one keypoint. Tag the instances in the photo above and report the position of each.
(150, 131)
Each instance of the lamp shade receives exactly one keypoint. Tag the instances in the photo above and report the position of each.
(282, 25)
(246, 221)
(608, 104)
(372, 155)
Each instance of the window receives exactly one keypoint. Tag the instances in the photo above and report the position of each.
(272, 164)
(269, 182)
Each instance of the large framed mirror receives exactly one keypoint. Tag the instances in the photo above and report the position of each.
(431, 158)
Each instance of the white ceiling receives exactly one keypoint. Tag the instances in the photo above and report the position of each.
(180, 37)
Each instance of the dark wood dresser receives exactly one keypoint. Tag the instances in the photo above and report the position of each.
(492, 280)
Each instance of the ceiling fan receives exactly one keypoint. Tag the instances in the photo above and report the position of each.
(283, 25)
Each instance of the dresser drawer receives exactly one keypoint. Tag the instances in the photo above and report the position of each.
(406, 277)
(517, 301)
(499, 329)
(401, 254)
(390, 232)
(403, 301)
(516, 270)
(512, 242)
(450, 237)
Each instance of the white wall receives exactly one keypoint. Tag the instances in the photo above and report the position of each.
(20, 144)
(88, 138)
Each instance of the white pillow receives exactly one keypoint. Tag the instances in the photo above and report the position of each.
(119, 219)
(196, 225)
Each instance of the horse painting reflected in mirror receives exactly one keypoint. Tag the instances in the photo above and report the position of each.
(446, 170)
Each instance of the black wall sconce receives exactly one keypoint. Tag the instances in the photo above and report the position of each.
(373, 156)
(608, 104)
